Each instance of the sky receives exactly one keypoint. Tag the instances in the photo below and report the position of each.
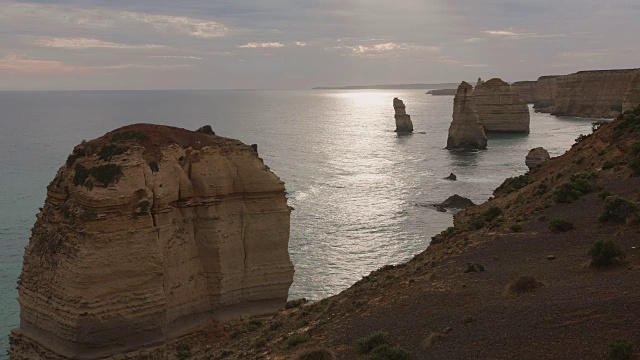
(287, 44)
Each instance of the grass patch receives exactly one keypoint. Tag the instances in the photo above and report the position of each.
(297, 339)
(109, 151)
(444, 235)
(128, 135)
(106, 174)
(608, 165)
(604, 253)
(386, 352)
(368, 343)
(523, 285)
(491, 213)
(618, 209)
(620, 350)
(515, 228)
(558, 225)
(80, 176)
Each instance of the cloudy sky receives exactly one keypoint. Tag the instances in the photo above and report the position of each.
(281, 44)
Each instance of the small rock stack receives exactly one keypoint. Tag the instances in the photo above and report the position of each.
(403, 120)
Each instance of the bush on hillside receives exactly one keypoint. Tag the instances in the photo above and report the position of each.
(368, 343)
(128, 135)
(297, 339)
(315, 354)
(109, 151)
(618, 209)
(560, 225)
(522, 285)
(515, 183)
(579, 184)
(604, 252)
(620, 350)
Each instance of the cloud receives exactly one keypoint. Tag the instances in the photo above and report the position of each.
(114, 19)
(87, 43)
(582, 54)
(184, 57)
(13, 63)
(301, 43)
(447, 60)
(254, 45)
(511, 34)
(475, 65)
(389, 49)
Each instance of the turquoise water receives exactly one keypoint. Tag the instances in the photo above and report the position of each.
(359, 190)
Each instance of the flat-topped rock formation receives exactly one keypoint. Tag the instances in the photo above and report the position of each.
(631, 98)
(500, 109)
(442, 92)
(466, 130)
(526, 90)
(148, 233)
(545, 93)
(403, 120)
(536, 157)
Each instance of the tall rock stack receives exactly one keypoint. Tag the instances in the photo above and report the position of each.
(631, 98)
(148, 233)
(500, 109)
(466, 131)
(479, 82)
(403, 120)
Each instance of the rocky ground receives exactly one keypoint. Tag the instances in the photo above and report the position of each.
(464, 297)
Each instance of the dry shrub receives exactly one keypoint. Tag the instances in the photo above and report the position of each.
(523, 285)
(314, 354)
(433, 339)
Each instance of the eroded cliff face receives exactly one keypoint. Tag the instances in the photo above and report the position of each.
(631, 98)
(526, 90)
(500, 109)
(545, 93)
(146, 234)
(466, 130)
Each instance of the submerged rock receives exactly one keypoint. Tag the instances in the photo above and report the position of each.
(148, 233)
(466, 130)
(451, 177)
(500, 109)
(536, 157)
(403, 120)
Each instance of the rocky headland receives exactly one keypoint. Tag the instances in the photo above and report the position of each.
(403, 120)
(499, 108)
(466, 130)
(149, 234)
(631, 97)
(545, 93)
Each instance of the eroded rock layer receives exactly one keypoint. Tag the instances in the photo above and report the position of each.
(465, 131)
(403, 120)
(526, 90)
(631, 98)
(146, 234)
(500, 109)
(591, 93)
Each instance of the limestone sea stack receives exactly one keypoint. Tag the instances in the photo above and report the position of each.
(403, 120)
(466, 131)
(500, 109)
(148, 233)
(631, 98)
(526, 90)
(536, 157)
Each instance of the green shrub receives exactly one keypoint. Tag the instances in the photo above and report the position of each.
(315, 354)
(386, 352)
(297, 339)
(128, 135)
(109, 151)
(154, 166)
(106, 174)
(617, 208)
(444, 235)
(476, 224)
(620, 350)
(579, 184)
(541, 189)
(608, 165)
(80, 176)
(560, 225)
(491, 213)
(630, 122)
(634, 165)
(604, 252)
(516, 183)
(183, 351)
(636, 148)
(368, 343)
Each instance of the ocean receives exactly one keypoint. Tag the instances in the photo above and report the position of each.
(361, 192)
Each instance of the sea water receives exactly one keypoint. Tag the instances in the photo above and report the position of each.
(361, 192)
